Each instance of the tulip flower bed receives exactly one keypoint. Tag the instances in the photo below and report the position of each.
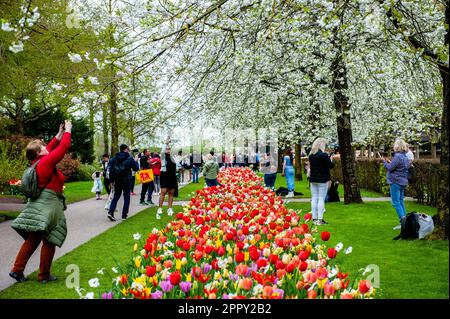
(237, 241)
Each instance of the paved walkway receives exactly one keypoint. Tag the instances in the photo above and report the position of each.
(85, 220)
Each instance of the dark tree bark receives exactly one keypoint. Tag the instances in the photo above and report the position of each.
(352, 192)
(442, 200)
(105, 129)
(113, 118)
(298, 161)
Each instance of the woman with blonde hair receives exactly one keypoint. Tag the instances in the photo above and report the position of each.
(397, 177)
(320, 165)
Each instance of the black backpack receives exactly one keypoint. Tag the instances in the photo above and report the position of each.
(282, 191)
(119, 170)
(410, 227)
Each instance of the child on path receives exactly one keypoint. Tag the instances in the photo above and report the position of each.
(97, 188)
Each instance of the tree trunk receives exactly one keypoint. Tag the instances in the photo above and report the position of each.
(105, 130)
(91, 117)
(113, 118)
(344, 129)
(280, 160)
(298, 161)
(19, 119)
(417, 155)
(433, 151)
(441, 230)
(369, 152)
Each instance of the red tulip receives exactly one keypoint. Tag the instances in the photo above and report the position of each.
(150, 271)
(290, 267)
(261, 263)
(279, 264)
(273, 258)
(312, 294)
(221, 251)
(303, 266)
(307, 217)
(325, 236)
(215, 264)
(239, 257)
(175, 278)
(332, 253)
(209, 249)
(364, 286)
(186, 246)
(303, 255)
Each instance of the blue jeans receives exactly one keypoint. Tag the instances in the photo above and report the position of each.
(318, 193)
(212, 182)
(156, 182)
(119, 187)
(269, 180)
(397, 196)
(289, 172)
(195, 173)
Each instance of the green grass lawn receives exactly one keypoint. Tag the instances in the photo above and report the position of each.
(188, 190)
(78, 191)
(100, 252)
(303, 187)
(408, 269)
(7, 215)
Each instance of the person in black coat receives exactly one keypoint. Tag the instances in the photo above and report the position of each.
(120, 167)
(320, 165)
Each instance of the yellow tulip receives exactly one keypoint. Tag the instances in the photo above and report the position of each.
(178, 264)
(124, 292)
(135, 248)
(137, 261)
(246, 256)
(321, 282)
(188, 277)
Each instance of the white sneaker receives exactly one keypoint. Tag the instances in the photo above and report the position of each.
(159, 213)
(170, 212)
(397, 227)
(290, 194)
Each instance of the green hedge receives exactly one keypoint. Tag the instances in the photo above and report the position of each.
(372, 176)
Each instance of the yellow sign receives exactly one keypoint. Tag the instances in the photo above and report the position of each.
(144, 176)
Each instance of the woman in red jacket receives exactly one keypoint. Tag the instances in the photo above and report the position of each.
(155, 163)
(43, 219)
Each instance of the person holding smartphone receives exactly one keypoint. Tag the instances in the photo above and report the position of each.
(43, 218)
(397, 177)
